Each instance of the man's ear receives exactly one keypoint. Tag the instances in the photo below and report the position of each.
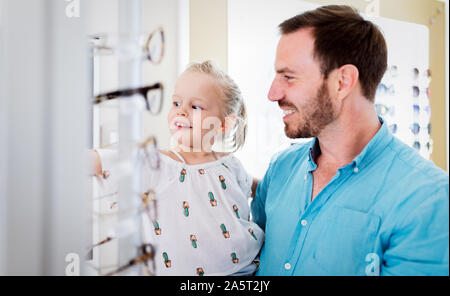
(346, 80)
(227, 124)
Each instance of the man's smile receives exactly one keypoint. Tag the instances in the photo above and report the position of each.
(288, 112)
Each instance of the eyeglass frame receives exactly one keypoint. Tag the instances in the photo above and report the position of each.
(147, 46)
(146, 49)
(384, 89)
(146, 253)
(133, 91)
(384, 109)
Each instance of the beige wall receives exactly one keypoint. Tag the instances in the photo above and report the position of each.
(208, 40)
(209, 31)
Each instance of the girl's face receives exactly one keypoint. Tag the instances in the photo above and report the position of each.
(196, 112)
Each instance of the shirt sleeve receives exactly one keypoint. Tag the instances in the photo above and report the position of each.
(259, 201)
(420, 244)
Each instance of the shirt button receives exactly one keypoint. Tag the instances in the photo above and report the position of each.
(304, 222)
(356, 169)
(287, 266)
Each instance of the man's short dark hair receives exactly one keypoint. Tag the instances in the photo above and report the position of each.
(343, 37)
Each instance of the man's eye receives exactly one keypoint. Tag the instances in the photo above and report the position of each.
(288, 77)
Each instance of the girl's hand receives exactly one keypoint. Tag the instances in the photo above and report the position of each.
(95, 162)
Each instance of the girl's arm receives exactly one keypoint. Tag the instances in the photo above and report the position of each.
(95, 162)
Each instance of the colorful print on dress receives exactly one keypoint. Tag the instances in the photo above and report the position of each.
(252, 233)
(157, 229)
(167, 262)
(212, 200)
(225, 233)
(222, 181)
(236, 210)
(200, 271)
(186, 208)
(201, 171)
(182, 175)
(193, 240)
(234, 258)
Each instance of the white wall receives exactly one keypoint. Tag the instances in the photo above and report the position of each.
(3, 147)
(44, 89)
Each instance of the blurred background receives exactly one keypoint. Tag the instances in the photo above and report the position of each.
(50, 71)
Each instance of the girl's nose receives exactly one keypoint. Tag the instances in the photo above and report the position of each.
(182, 112)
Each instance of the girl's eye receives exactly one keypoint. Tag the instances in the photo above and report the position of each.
(195, 107)
(176, 104)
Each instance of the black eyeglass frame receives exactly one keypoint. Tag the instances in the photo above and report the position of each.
(133, 91)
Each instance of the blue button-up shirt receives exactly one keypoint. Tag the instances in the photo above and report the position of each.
(385, 213)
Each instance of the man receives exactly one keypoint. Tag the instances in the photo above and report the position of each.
(354, 200)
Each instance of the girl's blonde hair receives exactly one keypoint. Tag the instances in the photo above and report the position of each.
(233, 103)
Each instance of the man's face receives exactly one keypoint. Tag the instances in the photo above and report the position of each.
(299, 87)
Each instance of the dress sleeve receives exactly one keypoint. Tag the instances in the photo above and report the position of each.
(113, 171)
(243, 178)
(150, 178)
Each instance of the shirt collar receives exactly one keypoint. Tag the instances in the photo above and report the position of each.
(375, 146)
(372, 149)
(314, 150)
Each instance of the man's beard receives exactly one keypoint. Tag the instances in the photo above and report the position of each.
(316, 115)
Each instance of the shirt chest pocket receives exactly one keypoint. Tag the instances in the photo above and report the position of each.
(344, 240)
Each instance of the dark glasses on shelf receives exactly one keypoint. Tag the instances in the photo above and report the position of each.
(417, 109)
(384, 110)
(153, 96)
(393, 128)
(428, 146)
(383, 89)
(416, 73)
(415, 128)
(392, 71)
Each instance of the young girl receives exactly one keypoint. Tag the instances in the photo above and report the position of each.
(203, 225)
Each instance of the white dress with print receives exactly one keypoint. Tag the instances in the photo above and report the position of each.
(203, 225)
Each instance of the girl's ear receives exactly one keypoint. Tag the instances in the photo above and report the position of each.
(228, 124)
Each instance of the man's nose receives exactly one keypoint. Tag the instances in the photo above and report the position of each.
(275, 92)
